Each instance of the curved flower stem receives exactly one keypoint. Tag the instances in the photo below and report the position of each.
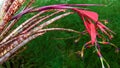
(108, 43)
(46, 17)
(6, 48)
(21, 27)
(61, 29)
(54, 19)
(40, 31)
(100, 56)
(26, 24)
(23, 42)
(8, 54)
(29, 4)
(83, 48)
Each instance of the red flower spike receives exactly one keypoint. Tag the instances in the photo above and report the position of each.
(103, 29)
(91, 30)
(86, 23)
(88, 17)
(92, 15)
(93, 33)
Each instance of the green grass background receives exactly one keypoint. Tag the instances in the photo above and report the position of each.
(48, 52)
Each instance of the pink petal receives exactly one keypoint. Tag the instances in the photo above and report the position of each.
(93, 33)
(86, 23)
(92, 15)
(103, 30)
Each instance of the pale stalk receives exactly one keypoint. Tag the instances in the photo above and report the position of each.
(2, 10)
(10, 26)
(15, 45)
(3, 50)
(8, 54)
(20, 27)
(15, 41)
(16, 20)
(49, 22)
(40, 31)
(29, 4)
(60, 29)
(53, 19)
(34, 24)
(11, 11)
(6, 5)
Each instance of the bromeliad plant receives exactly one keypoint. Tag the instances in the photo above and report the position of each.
(11, 40)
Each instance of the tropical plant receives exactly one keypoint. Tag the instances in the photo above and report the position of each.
(12, 39)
